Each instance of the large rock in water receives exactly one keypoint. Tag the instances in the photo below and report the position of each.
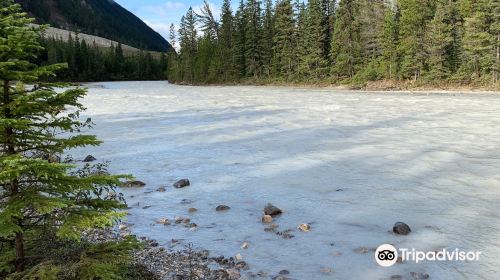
(133, 184)
(272, 210)
(401, 228)
(89, 158)
(221, 208)
(182, 183)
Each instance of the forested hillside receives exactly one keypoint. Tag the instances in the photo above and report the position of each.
(103, 18)
(351, 41)
(90, 62)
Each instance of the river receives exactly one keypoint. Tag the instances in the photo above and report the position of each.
(349, 164)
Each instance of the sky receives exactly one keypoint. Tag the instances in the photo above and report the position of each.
(159, 14)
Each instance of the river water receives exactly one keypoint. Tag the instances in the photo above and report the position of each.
(350, 164)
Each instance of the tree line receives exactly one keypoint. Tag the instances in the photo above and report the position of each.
(89, 62)
(334, 41)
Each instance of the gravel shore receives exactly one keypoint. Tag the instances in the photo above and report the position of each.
(186, 263)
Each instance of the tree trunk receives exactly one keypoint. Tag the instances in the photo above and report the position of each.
(497, 68)
(14, 185)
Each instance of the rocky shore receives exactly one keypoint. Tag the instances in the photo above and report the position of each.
(186, 263)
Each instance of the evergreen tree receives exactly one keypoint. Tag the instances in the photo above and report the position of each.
(188, 45)
(284, 40)
(226, 41)
(390, 41)
(495, 30)
(300, 39)
(268, 34)
(439, 39)
(254, 41)
(36, 190)
(477, 41)
(239, 41)
(314, 62)
(415, 16)
(346, 46)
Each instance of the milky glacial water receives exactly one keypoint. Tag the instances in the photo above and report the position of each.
(350, 164)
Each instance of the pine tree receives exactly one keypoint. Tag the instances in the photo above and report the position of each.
(226, 41)
(300, 40)
(495, 30)
(284, 40)
(36, 191)
(254, 41)
(239, 41)
(188, 45)
(390, 41)
(267, 40)
(314, 62)
(415, 16)
(346, 46)
(478, 43)
(172, 36)
(439, 39)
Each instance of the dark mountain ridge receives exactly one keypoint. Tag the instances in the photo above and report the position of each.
(103, 18)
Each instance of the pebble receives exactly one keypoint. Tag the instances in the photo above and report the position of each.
(419, 275)
(326, 270)
(284, 272)
(233, 274)
(192, 210)
(182, 183)
(361, 250)
(304, 227)
(161, 189)
(122, 227)
(239, 257)
(245, 245)
(163, 221)
(267, 219)
(401, 228)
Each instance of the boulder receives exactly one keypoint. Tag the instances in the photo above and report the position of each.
(245, 245)
(284, 272)
(182, 183)
(222, 208)
(192, 210)
(272, 210)
(89, 158)
(133, 184)
(401, 228)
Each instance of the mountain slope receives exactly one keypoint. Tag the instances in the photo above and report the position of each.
(103, 18)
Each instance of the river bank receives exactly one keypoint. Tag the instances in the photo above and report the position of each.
(387, 86)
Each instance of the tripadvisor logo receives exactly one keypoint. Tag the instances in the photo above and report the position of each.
(387, 255)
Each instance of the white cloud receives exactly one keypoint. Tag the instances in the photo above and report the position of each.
(165, 8)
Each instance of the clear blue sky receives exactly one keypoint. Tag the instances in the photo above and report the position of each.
(159, 14)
